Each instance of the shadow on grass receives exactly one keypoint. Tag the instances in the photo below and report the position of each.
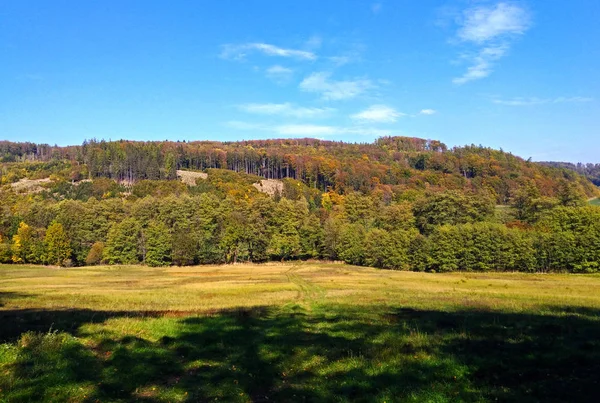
(334, 354)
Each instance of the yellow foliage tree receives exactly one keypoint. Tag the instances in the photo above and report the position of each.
(58, 245)
(22, 246)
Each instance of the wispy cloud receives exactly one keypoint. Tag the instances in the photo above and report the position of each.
(482, 24)
(279, 74)
(311, 130)
(316, 130)
(335, 90)
(491, 29)
(239, 52)
(285, 109)
(314, 42)
(482, 63)
(378, 113)
(519, 101)
(340, 60)
(427, 112)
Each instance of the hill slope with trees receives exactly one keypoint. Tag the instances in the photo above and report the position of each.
(590, 171)
(398, 203)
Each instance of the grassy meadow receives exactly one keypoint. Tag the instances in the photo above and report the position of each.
(595, 202)
(295, 332)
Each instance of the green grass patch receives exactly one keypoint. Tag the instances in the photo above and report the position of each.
(595, 202)
(344, 334)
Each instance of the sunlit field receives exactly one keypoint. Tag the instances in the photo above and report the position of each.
(295, 332)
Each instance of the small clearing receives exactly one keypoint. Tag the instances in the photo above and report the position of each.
(30, 185)
(189, 177)
(269, 186)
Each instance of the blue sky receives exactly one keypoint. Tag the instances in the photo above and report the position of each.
(522, 76)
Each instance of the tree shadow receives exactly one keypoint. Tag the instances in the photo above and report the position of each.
(339, 354)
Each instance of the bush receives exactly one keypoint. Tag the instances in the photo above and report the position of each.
(95, 255)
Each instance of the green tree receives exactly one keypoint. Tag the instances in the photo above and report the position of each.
(58, 245)
(158, 244)
(451, 208)
(311, 237)
(351, 247)
(5, 252)
(396, 216)
(359, 208)
(185, 246)
(123, 243)
(377, 245)
(398, 253)
(444, 249)
(571, 194)
(286, 222)
(331, 238)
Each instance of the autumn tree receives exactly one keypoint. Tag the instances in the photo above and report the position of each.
(58, 245)
(26, 247)
(95, 254)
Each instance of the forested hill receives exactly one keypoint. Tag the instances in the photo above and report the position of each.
(390, 165)
(590, 171)
(398, 203)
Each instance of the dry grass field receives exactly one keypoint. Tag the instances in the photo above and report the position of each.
(295, 332)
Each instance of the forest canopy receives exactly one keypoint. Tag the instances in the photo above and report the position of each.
(398, 203)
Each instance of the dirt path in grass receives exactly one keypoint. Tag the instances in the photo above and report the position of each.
(307, 291)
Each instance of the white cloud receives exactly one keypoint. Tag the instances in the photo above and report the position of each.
(285, 109)
(428, 112)
(481, 24)
(279, 74)
(310, 130)
(239, 52)
(277, 69)
(334, 90)
(491, 29)
(316, 130)
(519, 101)
(378, 113)
(482, 64)
(340, 60)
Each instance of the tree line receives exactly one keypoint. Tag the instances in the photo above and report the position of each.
(590, 171)
(224, 219)
(390, 164)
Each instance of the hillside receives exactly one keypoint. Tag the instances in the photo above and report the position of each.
(590, 171)
(397, 203)
(390, 165)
